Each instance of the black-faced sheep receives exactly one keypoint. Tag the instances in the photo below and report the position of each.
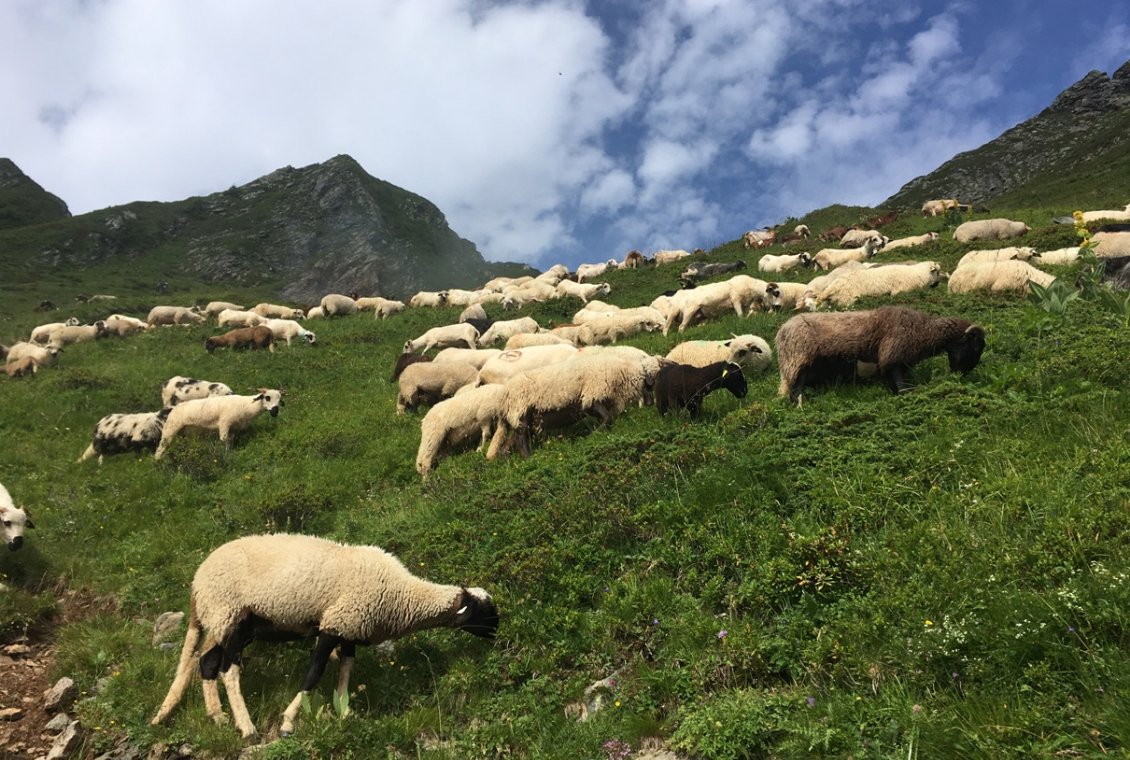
(122, 433)
(289, 586)
(894, 337)
(13, 520)
(224, 414)
(683, 386)
(259, 336)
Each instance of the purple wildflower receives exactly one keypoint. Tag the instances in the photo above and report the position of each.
(811, 701)
(721, 634)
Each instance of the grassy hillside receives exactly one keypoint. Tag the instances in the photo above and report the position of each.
(940, 574)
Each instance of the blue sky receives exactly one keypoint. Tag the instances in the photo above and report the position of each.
(556, 131)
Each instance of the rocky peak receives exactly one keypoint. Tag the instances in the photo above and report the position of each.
(23, 202)
(1096, 93)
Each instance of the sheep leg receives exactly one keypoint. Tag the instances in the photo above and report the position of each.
(229, 668)
(606, 417)
(898, 378)
(210, 663)
(346, 652)
(326, 644)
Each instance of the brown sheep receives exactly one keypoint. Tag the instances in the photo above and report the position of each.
(896, 337)
(259, 336)
(22, 367)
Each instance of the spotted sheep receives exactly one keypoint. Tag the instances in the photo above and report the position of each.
(123, 433)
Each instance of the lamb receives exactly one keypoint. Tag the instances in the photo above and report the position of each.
(13, 520)
(895, 337)
(583, 291)
(179, 388)
(590, 271)
(666, 257)
(610, 328)
(430, 382)
(276, 311)
(830, 258)
(382, 308)
(122, 433)
(402, 362)
(426, 298)
(936, 207)
(511, 363)
(696, 272)
(337, 305)
(998, 276)
(42, 355)
(292, 586)
(224, 414)
(243, 337)
(455, 421)
(526, 340)
(476, 357)
(740, 292)
(989, 229)
(234, 318)
(759, 238)
(683, 386)
(747, 351)
(1057, 257)
(911, 241)
(173, 315)
(1020, 253)
(1118, 216)
(21, 368)
(213, 308)
(288, 329)
(856, 238)
(447, 335)
(784, 263)
(1111, 244)
(42, 333)
(504, 329)
(71, 334)
(881, 281)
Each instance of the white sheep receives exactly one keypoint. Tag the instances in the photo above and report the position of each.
(213, 308)
(455, 421)
(476, 357)
(288, 329)
(911, 241)
(303, 585)
(1057, 257)
(426, 298)
(856, 238)
(830, 258)
(741, 293)
(122, 325)
(236, 318)
(1109, 244)
(277, 311)
(429, 382)
(474, 312)
(71, 334)
(888, 280)
(790, 295)
(315, 312)
(42, 333)
(748, 351)
(337, 305)
(553, 275)
(759, 238)
(382, 308)
(583, 291)
(998, 276)
(497, 284)
(173, 315)
(817, 284)
(1020, 253)
(535, 291)
(525, 340)
(224, 414)
(448, 335)
(667, 257)
(589, 271)
(1112, 215)
(938, 206)
(989, 229)
(180, 388)
(784, 263)
(41, 355)
(510, 363)
(505, 328)
(612, 327)
(13, 520)
(123, 433)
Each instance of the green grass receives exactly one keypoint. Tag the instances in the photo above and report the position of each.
(940, 574)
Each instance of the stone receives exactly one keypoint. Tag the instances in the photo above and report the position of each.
(10, 713)
(58, 723)
(60, 696)
(167, 623)
(68, 741)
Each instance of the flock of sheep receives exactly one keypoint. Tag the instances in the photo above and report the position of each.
(495, 385)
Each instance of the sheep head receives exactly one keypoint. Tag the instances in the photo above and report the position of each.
(13, 520)
(271, 400)
(965, 350)
(477, 613)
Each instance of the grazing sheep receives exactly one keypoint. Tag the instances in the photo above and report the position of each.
(505, 328)
(21, 367)
(243, 337)
(525, 340)
(790, 295)
(338, 305)
(583, 291)
(684, 386)
(498, 284)
(748, 351)
(381, 307)
(785, 262)
(403, 360)
(224, 414)
(476, 357)
(276, 311)
(214, 308)
(179, 388)
(888, 280)
(1020, 253)
(427, 298)
(911, 241)
(315, 312)
(696, 272)
(894, 337)
(13, 520)
(1111, 244)
(290, 586)
(856, 238)
(740, 292)
(173, 315)
(430, 382)
(830, 258)
(1118, 216)
(612, 327)
(590, 271)
(759, 238)
(511, 363)
(43, 355)
(998, 276)
(442, 337)
(474, 311)
(288, 329)
(42, 333)
(553, 275)
(234, 318)
(1057, 257)
(634, 260)
(535, 291)
(989, 229)
(124, 326)
(454, 422)
(122, 433)
(937, 207)
(71, 334)
(667, 257)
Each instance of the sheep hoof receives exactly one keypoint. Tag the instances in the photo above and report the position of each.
(284, 733)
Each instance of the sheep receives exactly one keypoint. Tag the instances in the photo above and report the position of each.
(455, 421)
(429, 382)
(1057, 257)
(989, 229)
(567, 332)
(911, 241)
(610, 328)
(338, 305)
(1111, 244)
(589, 271)
(667, 257)
(553, 275)
(315, 312)
(740, 292)
(790, 295)
(1116, 272)
(747, 351)
(124, 326)
(583, 291)
(71, 334)
(784, 263)
(180, 388)
(634, 260)
(403, 360)
(525, 340)
(801, 230)
(474, 311)
(21, 367)
(42, 333)
(234, 318)
(43, 355)
(122, 433)
(13, 520)
(382, 308)
(426, 298)
(497, 284)
(759, 238)
(476, 357)
(224, 414)
(213, 308)
(504, 329)
(277, 311)
(881, 281)
(292, 586)
(510, 363)
(940, 206)
(1120, 216)
(817, 284)
(259, 336)
(173, 315)
(696, 272)
(895, 337)
(856, 238)
(833, 234)
(830, 258)
(288, 329)
(683, 386)
(1020, 253)
(998, 276)
(447, 335)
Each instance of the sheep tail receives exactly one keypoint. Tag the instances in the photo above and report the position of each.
(184, 666)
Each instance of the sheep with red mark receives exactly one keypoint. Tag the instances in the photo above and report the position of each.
(511, 363)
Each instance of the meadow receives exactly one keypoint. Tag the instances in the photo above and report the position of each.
(938, 574)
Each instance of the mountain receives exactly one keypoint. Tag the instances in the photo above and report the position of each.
(1075, 150)
(302, 233)
(23, 202)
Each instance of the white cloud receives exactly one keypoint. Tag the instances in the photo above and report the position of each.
(609, 193)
